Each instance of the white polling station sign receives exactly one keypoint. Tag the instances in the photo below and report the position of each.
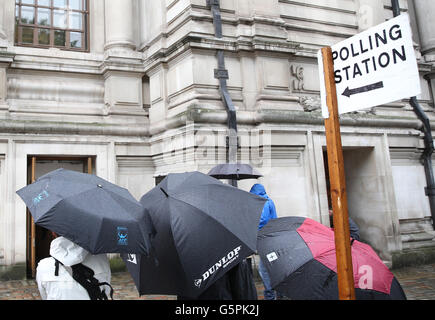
(374, 67)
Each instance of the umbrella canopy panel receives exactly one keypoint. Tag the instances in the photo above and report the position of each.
(316, 281)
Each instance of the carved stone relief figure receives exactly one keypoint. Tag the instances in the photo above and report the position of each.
(298, 73)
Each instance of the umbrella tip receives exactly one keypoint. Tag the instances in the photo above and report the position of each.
(163, 190)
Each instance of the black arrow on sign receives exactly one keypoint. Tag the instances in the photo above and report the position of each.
(348, 92)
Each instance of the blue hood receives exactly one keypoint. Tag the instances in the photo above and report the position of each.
(269, 211)
(259, 190)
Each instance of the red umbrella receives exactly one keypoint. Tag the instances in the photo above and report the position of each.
(299, 254)
(368, 269)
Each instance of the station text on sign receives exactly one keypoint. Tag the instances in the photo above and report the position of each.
(370, 64)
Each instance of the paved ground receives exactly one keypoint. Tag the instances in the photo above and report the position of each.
(417, 282)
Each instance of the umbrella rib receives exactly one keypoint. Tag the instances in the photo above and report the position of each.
(132, 199)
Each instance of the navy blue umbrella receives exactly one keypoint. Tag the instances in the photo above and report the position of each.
(203, 229)
(97, 215)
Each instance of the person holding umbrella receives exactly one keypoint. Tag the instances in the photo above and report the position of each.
(56, 275)
(353, 227)
(300, 255)
(93, 217)
(269, 212)
(205, 229)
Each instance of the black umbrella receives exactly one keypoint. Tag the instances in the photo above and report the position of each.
(203, 228)
(299, 255)
(234, 171)
(97, 215)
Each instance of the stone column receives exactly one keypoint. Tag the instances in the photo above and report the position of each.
(143, 32)
(5, 60)
(3, 37)
(369, 13)
(152, 21)
(263, 12)
(7, 15)
(3, 84)
(425, 13)
(119, 24)
(122, 66)
(2, 34)
(7, 23)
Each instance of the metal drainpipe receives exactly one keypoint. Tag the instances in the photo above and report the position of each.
(428, 140)
(222, 75)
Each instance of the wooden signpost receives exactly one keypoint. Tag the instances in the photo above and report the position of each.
(346, 289)
(371, 68)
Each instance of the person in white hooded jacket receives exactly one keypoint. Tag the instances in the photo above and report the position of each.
(62, 286)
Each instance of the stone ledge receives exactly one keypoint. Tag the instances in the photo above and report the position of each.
(413, 257)
(70, 128)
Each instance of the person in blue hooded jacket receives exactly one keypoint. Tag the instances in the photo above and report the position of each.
(269, 212)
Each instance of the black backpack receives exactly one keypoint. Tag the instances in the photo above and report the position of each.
(85, 277)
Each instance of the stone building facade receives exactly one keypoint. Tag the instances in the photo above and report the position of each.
(134, 97)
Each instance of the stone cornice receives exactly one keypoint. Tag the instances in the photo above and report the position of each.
(68, 128)
(283, 117)
(55, 60)
(6, 57)
(329, 7)
(241, 44)
(75, 62)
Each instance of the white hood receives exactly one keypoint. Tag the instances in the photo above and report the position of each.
(62, 286)
(67, 252)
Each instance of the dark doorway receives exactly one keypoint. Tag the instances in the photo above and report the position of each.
(39, 238)
(159, 179)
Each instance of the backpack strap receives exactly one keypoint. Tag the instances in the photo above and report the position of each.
(104, 293)
(56, 267)
(85, 277)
